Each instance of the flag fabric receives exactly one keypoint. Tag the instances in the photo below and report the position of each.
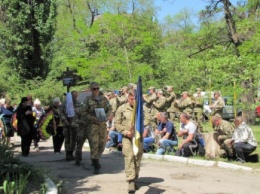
(69, 105)
(138, 117)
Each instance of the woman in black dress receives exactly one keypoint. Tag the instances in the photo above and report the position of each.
(25, 125)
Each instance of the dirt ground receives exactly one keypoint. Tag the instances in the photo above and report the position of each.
(155, 176)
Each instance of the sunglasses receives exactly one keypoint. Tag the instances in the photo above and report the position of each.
(95, 88)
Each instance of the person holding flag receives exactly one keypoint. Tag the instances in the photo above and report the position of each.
(130, 123)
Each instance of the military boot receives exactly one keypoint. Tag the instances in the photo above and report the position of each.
(69, 155)
(96, 166)
(131, 187)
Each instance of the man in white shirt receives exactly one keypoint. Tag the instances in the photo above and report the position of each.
(243, 139)
(188, 132)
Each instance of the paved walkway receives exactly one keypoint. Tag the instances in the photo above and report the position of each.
(156, 176)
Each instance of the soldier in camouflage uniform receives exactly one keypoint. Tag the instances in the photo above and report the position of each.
(159, 103)
(148, 100)
(172, 110)
(225, 131)
(124, 125)
(70, 126)
(123, 97)
(198, 109)
(112, 101)
(185, 103)
(83, 133)
(218, 105)
(98, 128)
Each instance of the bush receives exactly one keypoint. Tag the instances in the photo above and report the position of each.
(15, 174)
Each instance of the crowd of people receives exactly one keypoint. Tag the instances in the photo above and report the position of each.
(104, 119)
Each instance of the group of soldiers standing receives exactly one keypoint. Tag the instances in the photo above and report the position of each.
(86, 125)
(166, 101)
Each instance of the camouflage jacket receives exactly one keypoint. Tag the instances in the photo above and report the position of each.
(225, 129)
(198, 103)
(123, 118)
(149, 99)
(89, 106)
(113, 103)
(170, 102)
(121, 100)
(185, 105)
(218, 104)
(159, 105)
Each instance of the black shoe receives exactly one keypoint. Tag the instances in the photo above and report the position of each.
(77, 163)
(96, 170)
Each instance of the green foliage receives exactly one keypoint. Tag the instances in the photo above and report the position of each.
(113, 42)
(14, 174)
(27, 31)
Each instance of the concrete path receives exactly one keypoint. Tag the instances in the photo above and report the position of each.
(156, 176)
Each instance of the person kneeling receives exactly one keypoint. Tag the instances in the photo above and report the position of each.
(243, 140)
(168, 135)
(188, 132)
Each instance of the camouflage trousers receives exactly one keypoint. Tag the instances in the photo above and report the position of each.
(198, 117)
(225, 144)
(97, 140)
(80, 140)
(172, 116)
(79, 145)
(70, 138)
(132, 163)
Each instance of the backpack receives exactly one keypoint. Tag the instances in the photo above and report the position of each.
(201, 145)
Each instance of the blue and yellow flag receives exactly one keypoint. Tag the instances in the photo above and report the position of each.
(138, 117)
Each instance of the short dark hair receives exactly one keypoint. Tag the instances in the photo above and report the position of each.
(92, 84)
(164, 114)
(185, 115)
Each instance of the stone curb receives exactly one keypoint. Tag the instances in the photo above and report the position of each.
(233, 166)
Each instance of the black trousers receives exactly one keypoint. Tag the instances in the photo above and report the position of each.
(243, 150)
(58, 139)
(26, 143)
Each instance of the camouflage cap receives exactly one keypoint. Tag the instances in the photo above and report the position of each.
(131, 86)
(151, 88)
(159, 91)
(216, 92)
(109, 93)
(198, 89)
(185, 92)
(124, 88)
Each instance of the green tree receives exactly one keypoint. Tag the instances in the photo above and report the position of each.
(27, 28)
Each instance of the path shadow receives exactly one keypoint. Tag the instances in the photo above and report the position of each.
(147, 181)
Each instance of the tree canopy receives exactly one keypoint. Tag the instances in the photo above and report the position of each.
(113, 42)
